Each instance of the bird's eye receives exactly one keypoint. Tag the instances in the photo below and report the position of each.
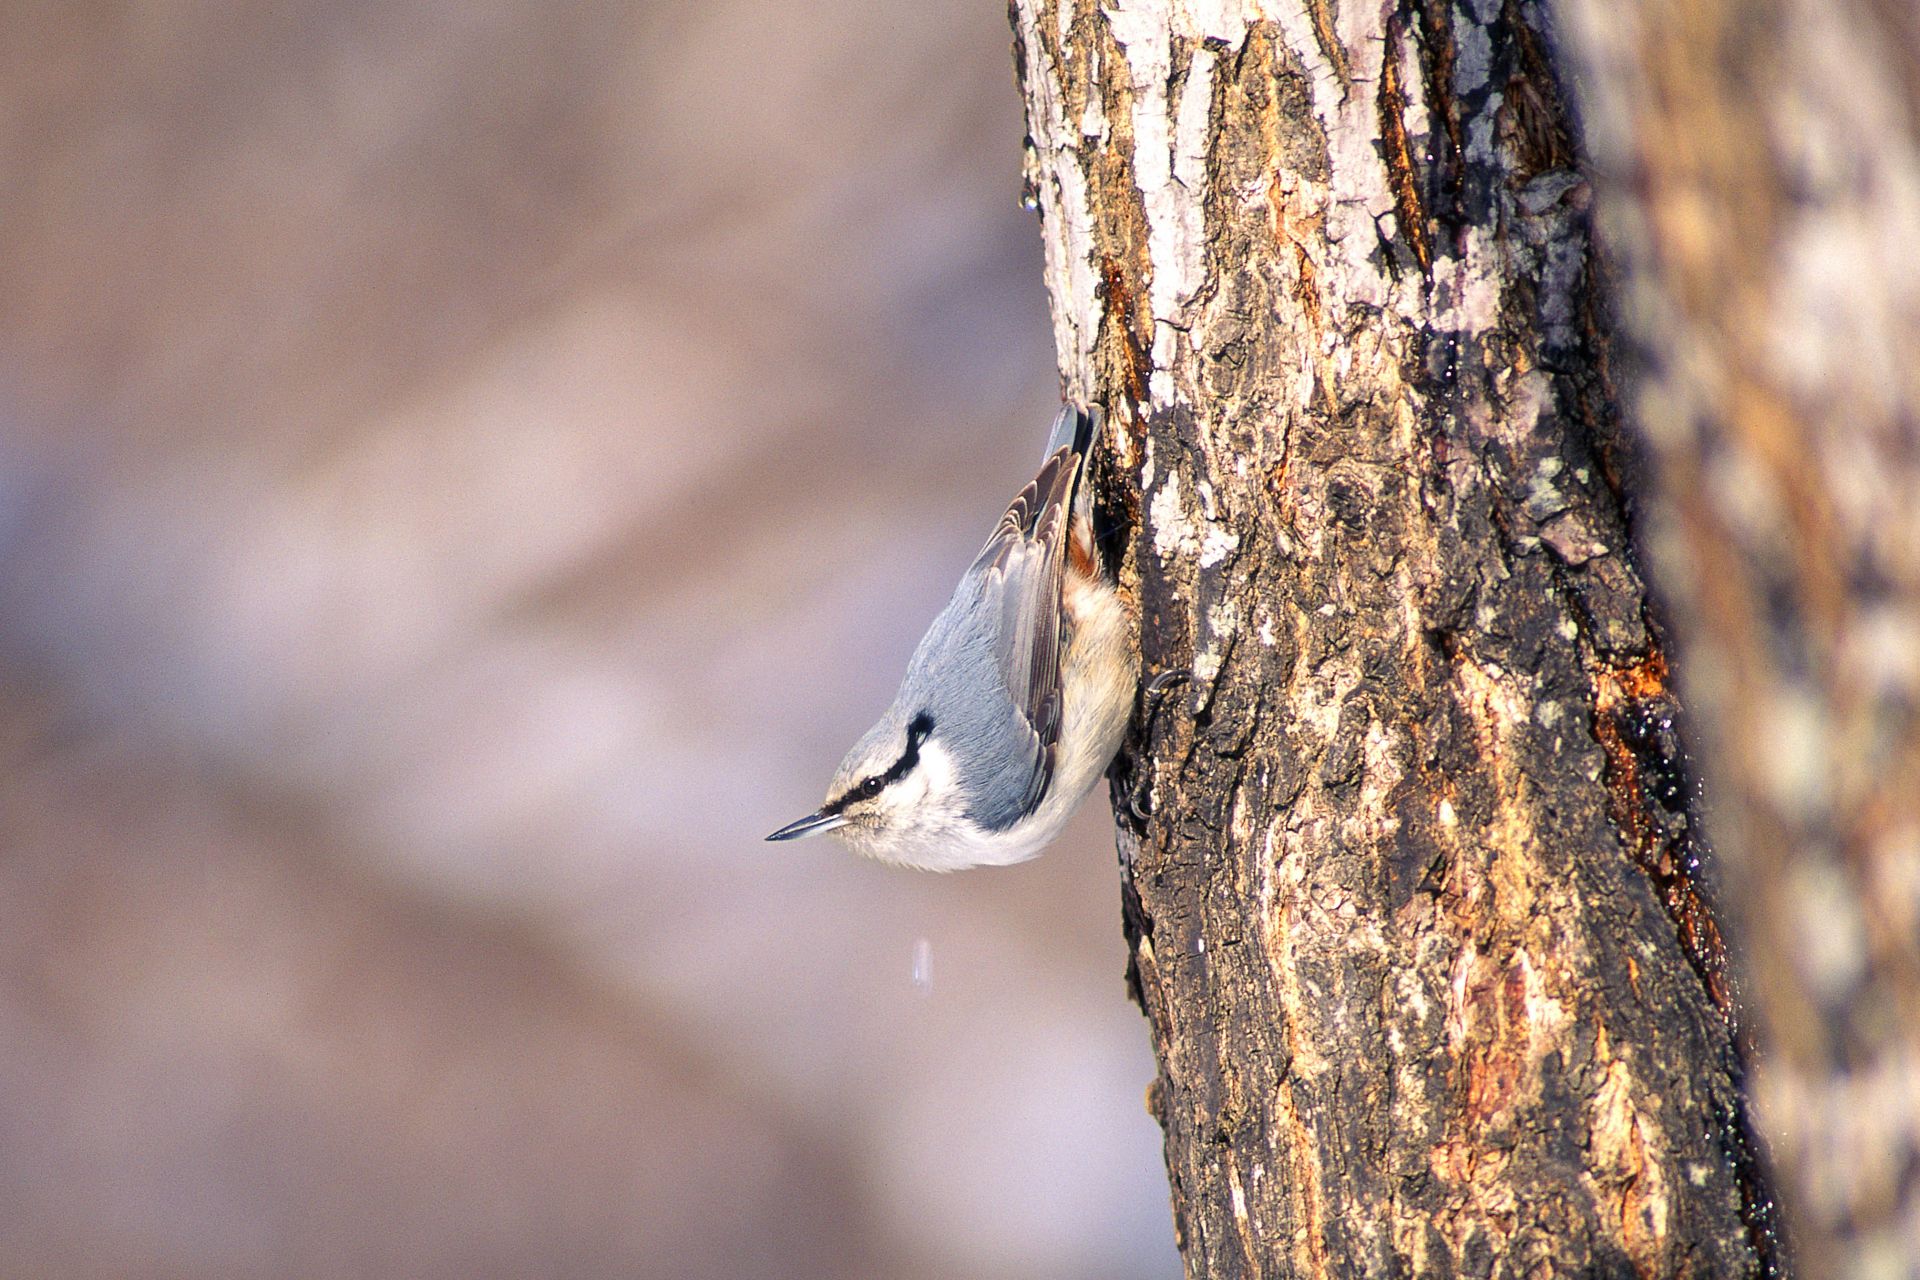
(867, 788)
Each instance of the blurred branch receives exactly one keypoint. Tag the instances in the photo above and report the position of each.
(1759, 171)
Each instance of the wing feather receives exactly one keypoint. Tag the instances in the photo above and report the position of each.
(1020, 572)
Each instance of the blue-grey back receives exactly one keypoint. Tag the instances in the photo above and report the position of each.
(988, 669)
(955, 676)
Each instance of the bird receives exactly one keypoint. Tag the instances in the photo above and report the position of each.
(1015, 701)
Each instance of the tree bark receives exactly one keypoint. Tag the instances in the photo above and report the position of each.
(1415, 915)
(1759, 167)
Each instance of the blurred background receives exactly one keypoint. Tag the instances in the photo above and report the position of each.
(466, 474)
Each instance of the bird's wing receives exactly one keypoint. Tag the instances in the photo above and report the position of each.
(1020, 573)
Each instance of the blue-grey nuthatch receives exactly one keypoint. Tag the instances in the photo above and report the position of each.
(1015, 701)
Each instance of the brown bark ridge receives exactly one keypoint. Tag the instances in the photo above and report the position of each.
(1414, 915)
(1759, 168)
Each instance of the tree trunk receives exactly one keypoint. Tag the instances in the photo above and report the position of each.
(1414, 914)
(1759, 166)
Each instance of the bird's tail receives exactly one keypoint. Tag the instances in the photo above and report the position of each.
(1075, 428)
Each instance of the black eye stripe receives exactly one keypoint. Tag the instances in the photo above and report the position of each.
(918, 730)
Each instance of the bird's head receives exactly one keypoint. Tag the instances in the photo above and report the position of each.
(894, 793)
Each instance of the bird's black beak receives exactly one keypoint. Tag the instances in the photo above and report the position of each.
(811, 825)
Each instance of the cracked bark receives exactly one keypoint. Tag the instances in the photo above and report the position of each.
(1415, 918)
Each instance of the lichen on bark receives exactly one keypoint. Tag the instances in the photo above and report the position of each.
(1419, 1001)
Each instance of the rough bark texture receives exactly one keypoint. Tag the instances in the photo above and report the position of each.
(1759, 166)
(1414, 915)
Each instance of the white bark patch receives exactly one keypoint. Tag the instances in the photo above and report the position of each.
(1217, 546)
(1093, 121)
(1143, 31)
(1358, 194)
(1544, 498)
(1190, 153)
(1172, 531)
(1223, 620)
(1316, 704)
(1066, 214)
(1093, 118)
(1206, 666)
(1381, 774)
(1224, 21)
(1572, 540)
(1170, 153)
(1468, 289)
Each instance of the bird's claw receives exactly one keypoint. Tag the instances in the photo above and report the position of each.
(1140, 801)
(1163, 682)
